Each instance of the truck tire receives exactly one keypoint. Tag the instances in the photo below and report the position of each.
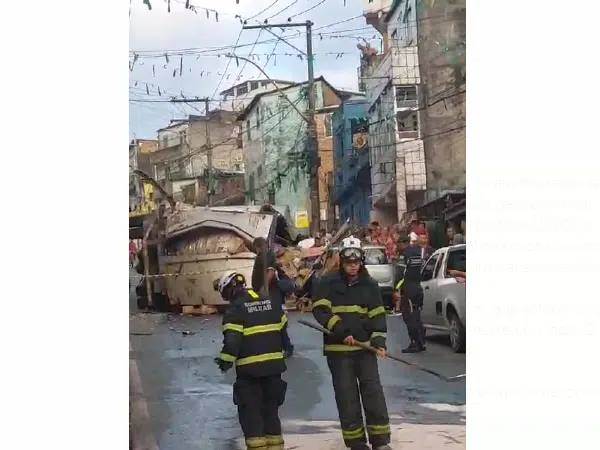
(458, 334)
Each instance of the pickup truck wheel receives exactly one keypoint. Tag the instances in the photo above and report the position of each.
(457, 333)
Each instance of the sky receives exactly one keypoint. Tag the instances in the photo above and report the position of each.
(193, 69)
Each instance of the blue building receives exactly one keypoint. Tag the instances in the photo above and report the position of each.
(352, 182)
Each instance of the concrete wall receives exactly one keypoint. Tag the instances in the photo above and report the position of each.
(442, 52)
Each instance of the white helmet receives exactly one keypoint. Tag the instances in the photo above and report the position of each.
(351, 248)
(226, 279)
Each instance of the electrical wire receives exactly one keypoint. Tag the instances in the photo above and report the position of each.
(284, 9)
(307, 10)
(228, 63)
(266, 9)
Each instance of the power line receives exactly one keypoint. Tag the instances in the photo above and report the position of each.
(228, 63)
(307, 10)
(184, 158)
(284, 9)
(266, 9)
(299, 34)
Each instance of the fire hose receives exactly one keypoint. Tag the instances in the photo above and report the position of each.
(395, 358)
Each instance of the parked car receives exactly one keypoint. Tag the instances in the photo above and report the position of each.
(380, 268)
(444, 303)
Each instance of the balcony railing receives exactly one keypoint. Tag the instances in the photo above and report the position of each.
(400, 66)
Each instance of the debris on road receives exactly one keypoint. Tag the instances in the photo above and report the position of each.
(183, 332)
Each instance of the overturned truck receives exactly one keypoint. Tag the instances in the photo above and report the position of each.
(200, 243)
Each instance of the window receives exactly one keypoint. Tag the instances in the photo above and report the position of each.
(259, 171)
(258, 111)
(375, 256)
(242, 90)
(264, 83)
(237, 167)
(253, 85)
(327, 125)
(407, 122)
(429, 268)
(183, 136)
(248, 129)
(271, 196)
(406, 96)
(457, 260)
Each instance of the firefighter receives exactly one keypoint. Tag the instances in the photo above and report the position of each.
(349, 304)
(411, 297)
(253, 341)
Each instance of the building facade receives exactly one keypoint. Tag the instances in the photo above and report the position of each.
(391, 80)
(274, 139)
(352, 178)
(237, 97)
(183, 150)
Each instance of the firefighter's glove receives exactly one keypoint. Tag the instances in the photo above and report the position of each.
(223, 366)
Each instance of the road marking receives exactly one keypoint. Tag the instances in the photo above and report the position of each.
(143, 438)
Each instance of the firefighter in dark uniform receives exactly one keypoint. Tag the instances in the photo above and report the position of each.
(349, 304)
(253, 341)
(411, 297)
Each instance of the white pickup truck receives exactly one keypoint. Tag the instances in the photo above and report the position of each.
(444, 303)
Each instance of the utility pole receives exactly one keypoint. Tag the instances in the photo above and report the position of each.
(209, 155)
(313, 148)
(312, 145)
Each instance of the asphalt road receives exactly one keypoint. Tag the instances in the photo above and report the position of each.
(181, 401)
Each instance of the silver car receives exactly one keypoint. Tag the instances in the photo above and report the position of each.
(380, 268)
(444, 302)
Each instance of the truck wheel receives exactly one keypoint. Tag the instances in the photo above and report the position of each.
(458, 333)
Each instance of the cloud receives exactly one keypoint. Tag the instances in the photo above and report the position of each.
(158, 30)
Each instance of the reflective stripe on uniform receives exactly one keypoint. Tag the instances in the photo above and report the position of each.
(399, 285)
(259, 358)
(375, 334)
(342, 347)
(227, 357)
(253, 294)
(378, 429)
(331, 322)
(349, 309)
(376, 312)
(233, 327)
(273, 440)
(322, 302)
(353, 434)
(256, 443)
(265, 328)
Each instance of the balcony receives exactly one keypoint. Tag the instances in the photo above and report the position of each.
(400, 66)
(374, 12)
